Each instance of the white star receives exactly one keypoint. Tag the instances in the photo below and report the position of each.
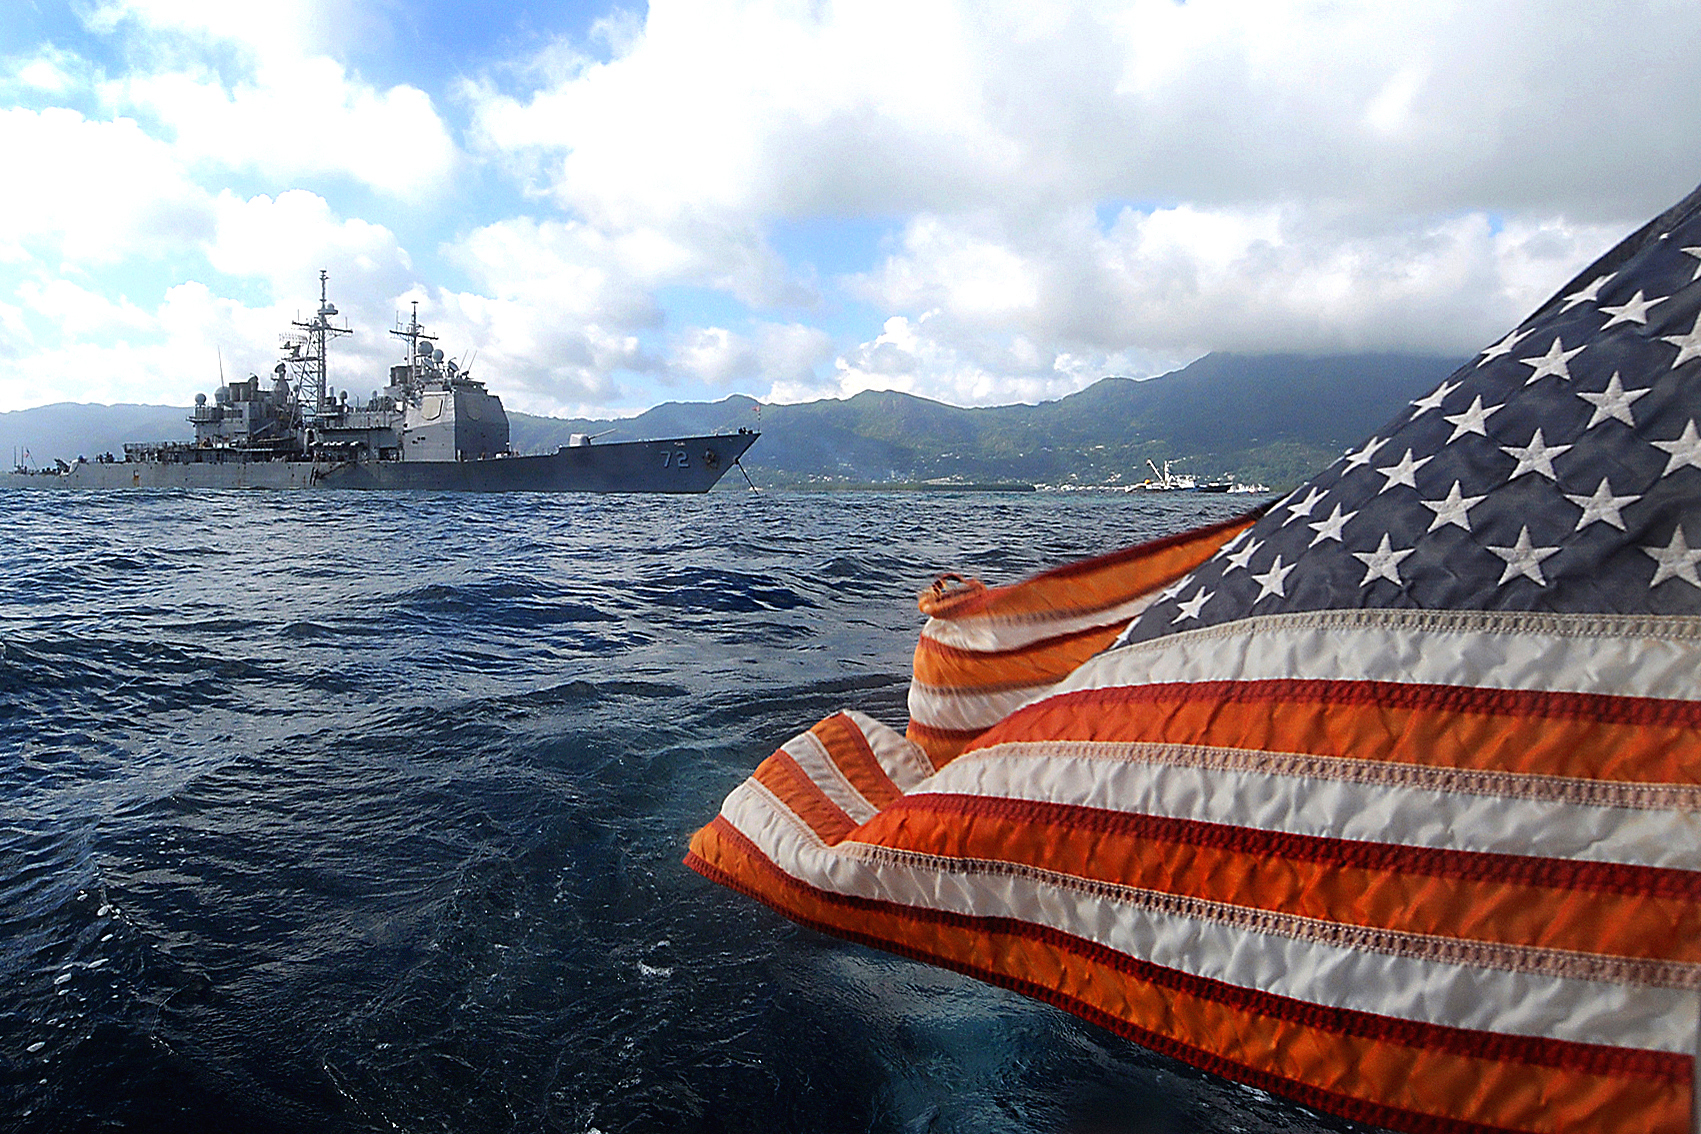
(1676, 559)
(1190, 608)
(1504, 346)
(1330, 528)
(1223, 551)
(1688, 346)
(1553, 362)
(1270, 582)
(1695, 252)
(1243, 557)
(1586, 295)
(1362, 456)
(1613, 402)
(1537, 456)
(1522, 559)
(1602, 506)
(1174, 588)
(1404, 471)
(1303, 507)
(1455, 509)
(1471, 421)
(1635, 311)
(1383, 563)
(1685, 450)
(1434, 399)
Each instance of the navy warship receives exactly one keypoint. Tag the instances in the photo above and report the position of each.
(433, 427)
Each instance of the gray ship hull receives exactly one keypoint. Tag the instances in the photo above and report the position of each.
(674, 465)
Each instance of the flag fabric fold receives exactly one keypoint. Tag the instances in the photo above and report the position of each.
(1385, 800)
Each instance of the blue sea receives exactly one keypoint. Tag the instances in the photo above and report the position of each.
(364, 812)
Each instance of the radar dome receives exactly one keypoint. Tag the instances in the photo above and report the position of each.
(437, 355)
(200, 399)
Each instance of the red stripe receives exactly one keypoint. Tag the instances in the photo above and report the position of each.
(1541, 1051)
(1467, 866)
(974, 657)
(1141, 551)
(1346, 1106)
(1605, 708)
(794, 788)
(916, 729)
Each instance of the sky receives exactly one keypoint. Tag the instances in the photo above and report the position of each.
(601, 207)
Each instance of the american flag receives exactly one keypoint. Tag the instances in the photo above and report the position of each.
(1385, 800)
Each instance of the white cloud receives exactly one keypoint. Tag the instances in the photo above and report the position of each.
(716, 356)
(1106, 185)
(290, 110)
(1304, 278)
(78, 313)
(538, 361)
(286, 242)
(782, 355)
(300, 116)
(1413, 177)
(95, 192)
(912, 356)
(884, 105)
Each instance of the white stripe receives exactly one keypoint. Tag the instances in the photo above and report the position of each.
(1433, 992)
(812, 756)
(945, 708)
(1653, 656)
(992, 633)
(901, 758)
(1049, 772)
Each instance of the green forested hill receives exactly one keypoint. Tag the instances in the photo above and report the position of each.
(1274, 418)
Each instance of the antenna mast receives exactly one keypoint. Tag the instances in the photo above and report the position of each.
(419, 363)
(305, 351)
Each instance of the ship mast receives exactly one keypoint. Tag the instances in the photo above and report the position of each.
(415, 334)
(306, 347)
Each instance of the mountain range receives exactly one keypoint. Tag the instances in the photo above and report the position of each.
(1271, 418)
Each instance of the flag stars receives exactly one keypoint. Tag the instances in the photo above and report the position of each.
(1330, 528)
(1555, 361)
(1453, 509)
(1590, 294)
(1688, 346)
(1383, 563)
(1174, 588)
(1434, 399)
(1614, 402)
(1503, 347)
(1303, 507)
(1523, 559)
(1676, 560)
(1536, 457)
(1243, 557)
(1473, 420)
(1634, 311)
(1403, 471)
(1271, 581)
(1358, 457)
(1191, 608)
(1685, 450)
(1602, 507)
(1695, 252)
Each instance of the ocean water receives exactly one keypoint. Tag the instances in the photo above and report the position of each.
(364, 812)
